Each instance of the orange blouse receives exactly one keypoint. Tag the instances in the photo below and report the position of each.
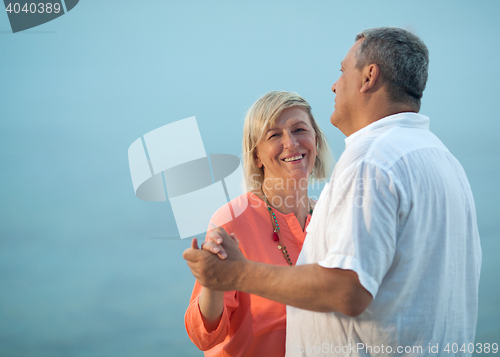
(250, 325)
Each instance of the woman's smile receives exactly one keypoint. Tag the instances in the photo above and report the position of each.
(294, 158)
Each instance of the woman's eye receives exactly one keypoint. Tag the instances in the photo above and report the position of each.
(300, 129)
(273, 136)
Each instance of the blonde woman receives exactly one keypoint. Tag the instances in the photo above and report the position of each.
(283, 149)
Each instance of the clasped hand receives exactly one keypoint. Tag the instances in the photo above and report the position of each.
(217, 263)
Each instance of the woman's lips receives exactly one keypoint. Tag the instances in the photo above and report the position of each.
(294, 161)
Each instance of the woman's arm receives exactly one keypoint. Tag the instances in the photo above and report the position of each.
(211, 302)
(205, 312)
(195, 324)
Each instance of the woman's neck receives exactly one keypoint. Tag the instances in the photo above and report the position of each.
(288, 197)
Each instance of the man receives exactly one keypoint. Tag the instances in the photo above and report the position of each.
(391, 261)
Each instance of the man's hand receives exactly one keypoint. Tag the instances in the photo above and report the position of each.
(208, 269)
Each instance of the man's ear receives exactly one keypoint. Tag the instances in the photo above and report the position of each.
(371, 76)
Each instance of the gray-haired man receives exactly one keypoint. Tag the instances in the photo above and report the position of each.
(391, 261)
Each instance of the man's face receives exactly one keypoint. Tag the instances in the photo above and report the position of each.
(347, 92)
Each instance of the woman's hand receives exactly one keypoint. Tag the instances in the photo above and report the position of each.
(213, 248)
(214, 244)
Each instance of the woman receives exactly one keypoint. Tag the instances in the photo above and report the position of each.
(283, 148)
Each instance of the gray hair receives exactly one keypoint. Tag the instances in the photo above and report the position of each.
(403, 60)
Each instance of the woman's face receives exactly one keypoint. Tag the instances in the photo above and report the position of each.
(288, 149)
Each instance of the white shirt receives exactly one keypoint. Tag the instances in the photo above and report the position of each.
(398, 211)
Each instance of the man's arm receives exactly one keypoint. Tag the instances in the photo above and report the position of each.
(311, 287)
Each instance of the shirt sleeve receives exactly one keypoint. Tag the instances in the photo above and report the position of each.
(195, 327)
(362, 224)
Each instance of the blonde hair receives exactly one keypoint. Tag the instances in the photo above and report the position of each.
(262, 115)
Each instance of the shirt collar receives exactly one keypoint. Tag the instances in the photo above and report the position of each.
(409, 120)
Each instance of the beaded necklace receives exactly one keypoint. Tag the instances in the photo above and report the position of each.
(276, 228)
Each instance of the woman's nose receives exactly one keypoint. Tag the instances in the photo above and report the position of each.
(289, 141)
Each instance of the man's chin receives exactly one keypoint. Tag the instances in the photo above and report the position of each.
(337, 122)
(334, 119)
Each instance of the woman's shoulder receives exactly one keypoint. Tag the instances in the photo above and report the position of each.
(241, 205)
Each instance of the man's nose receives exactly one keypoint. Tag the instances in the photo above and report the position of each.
(334, 88)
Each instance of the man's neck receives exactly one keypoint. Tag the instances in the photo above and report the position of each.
(373, 114)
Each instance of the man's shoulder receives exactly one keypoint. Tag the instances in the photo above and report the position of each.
(392, 145)
(385, 148)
